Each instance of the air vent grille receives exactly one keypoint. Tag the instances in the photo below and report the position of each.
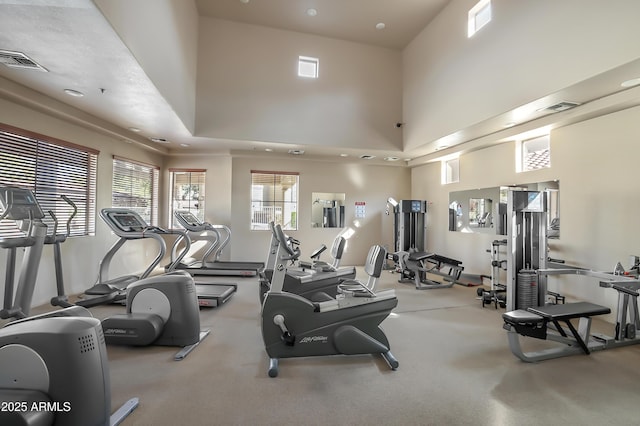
(562, 106)
(19, 60)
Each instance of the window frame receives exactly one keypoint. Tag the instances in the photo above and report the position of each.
(139, 168)
(450, 171)
(473, 25)
(290, 206)
(51, 167)
(308, 60)
(522, 153)
(200, 208)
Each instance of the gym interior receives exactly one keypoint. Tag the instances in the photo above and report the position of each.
(459, 105)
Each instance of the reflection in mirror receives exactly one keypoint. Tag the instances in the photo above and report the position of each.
(327, 210)
(485, 210)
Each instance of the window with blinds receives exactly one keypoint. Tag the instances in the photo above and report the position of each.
(274, 197)
(50, 168)
(135, 187)
(187, 192)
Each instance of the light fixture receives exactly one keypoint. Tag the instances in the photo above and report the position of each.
(244, 1)
(367, 157)
(159, 140)
(391, 158)
(630, 83)
(185, 145)
(312, 12)
(75, 93)
(269, 149)
(380, 26)
(134, 129)
(344, 155)
(296, 151)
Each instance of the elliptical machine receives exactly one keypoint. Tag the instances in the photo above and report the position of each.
(293, 326)
(41, 355)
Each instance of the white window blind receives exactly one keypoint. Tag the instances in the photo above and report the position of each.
(50, 168)
(135, 187)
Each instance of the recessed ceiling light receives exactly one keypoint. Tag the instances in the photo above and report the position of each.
(159, 140)
(269, 149)
(344, 155)
(630, 83)
(134, 129)
(380, 26)
(391, 158)
(185, 145)
(296, 151)
(72, 92)
(312, 12)
(367, 157)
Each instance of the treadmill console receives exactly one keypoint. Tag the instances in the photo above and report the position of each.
(127, 222)
(188, 218)
(22, 204)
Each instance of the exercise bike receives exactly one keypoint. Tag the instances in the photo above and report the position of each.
(293, 326)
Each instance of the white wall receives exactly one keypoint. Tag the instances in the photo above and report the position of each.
(82, 254)
(370, 184)
(143, 25)
(248, 88)
(529, 50)
(595, 162)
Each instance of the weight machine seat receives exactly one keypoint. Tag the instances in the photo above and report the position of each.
(564, 312)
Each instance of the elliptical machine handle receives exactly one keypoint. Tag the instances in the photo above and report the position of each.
(288, 338)
(73, 214)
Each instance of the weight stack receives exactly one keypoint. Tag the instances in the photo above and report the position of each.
(527, 284)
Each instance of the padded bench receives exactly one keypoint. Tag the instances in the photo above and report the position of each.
(533, 322)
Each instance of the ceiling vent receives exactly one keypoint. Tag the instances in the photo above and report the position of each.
(19, 60)
(561, 106)
(367, 157)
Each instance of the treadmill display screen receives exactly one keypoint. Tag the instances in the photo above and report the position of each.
(189, 219)
(127, 222)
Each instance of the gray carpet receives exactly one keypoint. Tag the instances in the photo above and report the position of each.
(455, 369)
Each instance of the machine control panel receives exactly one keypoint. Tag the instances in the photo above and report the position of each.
(21, 204)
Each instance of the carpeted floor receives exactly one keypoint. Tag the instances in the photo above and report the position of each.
(455, 369)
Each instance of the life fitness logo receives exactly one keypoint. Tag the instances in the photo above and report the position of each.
(314, 339)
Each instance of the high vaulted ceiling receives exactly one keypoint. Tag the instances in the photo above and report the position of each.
(81, 50)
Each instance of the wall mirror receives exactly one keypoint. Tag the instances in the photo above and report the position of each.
(484, 210)
(327, 210)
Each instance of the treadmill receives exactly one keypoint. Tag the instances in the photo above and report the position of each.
(128, 225)
(216, 267)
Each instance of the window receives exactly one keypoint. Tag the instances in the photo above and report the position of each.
(450, 171)
(50, 168)
(135, 187)
(274, 197)
(187, 193)
(479, 16)
(308, 67)
(533, 154)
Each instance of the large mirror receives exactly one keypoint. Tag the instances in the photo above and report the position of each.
(327, 210)
(485, 210)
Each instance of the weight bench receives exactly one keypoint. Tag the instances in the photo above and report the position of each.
(534, 322)
(416, 266)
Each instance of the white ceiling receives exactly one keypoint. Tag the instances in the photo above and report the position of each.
(73, 40)
(353, 20)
